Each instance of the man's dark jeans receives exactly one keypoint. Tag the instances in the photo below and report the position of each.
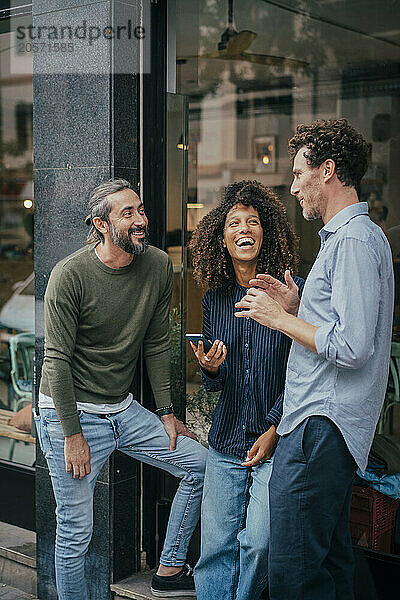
(310, 492)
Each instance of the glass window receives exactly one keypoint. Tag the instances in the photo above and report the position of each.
(176, 192)
(17, 296)
(252, 71)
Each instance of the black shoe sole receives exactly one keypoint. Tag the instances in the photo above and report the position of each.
(173, 593)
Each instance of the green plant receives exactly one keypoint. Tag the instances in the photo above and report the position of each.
(177, 372)
(202, 404)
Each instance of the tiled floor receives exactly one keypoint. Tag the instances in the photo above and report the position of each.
(17, 563)
(17, 539)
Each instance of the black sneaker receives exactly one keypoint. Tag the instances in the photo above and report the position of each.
(174, 586)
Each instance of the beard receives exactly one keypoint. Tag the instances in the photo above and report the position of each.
(123, 240)
(315, 206)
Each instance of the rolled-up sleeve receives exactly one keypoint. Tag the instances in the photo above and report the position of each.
(213, 384)
(348, 339)
(275, 414)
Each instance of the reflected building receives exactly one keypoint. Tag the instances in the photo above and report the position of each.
(16, 228)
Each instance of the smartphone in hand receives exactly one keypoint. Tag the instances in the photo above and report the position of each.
(195, 338)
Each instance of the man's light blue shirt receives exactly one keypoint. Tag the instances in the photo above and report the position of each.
(348, 295)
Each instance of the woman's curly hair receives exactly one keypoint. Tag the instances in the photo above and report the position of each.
(335, 139)
(212, 264)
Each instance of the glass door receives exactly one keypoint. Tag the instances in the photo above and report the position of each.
(176, 189)
(17, 298)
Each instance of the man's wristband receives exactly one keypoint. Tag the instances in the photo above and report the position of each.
(165, 410)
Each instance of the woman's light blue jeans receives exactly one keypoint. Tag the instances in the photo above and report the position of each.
(140, 434)
(235, 530)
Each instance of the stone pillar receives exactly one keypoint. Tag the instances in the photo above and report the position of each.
(85, 131)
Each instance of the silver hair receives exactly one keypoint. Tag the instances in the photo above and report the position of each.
(100, 205)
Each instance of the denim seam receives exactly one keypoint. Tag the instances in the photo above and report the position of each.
(301, 519)
(262, 584)
(241, 526)
(302, 512)
(182, 525)
(303, 426)
(47, 437)
(61, 546)
(178, 537)
(317, 439)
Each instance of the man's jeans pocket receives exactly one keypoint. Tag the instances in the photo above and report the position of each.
(310, 433)
(50, 415)
(43, 436)
(300, 440)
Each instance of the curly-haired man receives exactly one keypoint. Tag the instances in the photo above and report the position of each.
(337, 369)
(246, 233)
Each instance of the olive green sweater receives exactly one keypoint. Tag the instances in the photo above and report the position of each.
(96, 319)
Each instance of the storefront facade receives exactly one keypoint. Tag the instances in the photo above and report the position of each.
(202, 94)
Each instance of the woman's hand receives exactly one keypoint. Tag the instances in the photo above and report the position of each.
(215, 356)
(263, 448)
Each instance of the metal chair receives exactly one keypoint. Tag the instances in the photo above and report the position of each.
(393, 392)
(22, 347)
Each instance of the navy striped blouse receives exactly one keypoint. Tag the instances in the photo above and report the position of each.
(252, 377)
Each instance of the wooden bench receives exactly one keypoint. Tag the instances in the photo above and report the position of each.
(8, 431)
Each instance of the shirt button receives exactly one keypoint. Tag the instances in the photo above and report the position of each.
(243, 427)
(247, 371)
(247, 318)
(246, 345)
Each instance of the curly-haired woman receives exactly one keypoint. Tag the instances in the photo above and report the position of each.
(246, 234)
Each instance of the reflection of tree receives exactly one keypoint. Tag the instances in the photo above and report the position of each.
(176, 372)
(21, 144)
(199, 404)
(12, 148)
(13, 178)
(309, 42)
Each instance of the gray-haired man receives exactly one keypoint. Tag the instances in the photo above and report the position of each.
(102, 304)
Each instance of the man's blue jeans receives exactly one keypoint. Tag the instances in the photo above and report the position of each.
(234, 530)
(140, 434)
(311, 557)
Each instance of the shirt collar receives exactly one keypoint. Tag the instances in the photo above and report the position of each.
(343, 217)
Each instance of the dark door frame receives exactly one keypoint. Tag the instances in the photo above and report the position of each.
(153, 187)
(158, 487)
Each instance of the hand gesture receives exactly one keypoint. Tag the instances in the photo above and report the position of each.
(260, 307)
(174, 427)
(263, 448)
(77, 455)
(215, 356)
(286, 295)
